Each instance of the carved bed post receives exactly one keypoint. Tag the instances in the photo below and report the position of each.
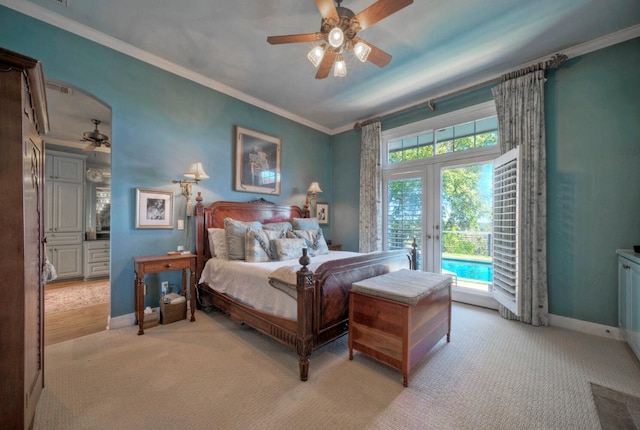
(414, 255)
(304, 340)
(199, 239)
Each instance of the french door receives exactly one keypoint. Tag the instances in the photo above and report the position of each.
(446, 206)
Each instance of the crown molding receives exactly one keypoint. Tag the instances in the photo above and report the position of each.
(81, 30)
(571, 52)
(52, 18)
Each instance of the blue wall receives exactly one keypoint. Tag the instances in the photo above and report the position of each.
(160, 124)
(593, 173)
(592, 112)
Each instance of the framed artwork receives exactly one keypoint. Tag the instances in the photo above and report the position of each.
(258, 162)
(322, 213)
(154, 208)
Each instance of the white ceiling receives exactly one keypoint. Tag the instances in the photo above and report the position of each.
(438, 46)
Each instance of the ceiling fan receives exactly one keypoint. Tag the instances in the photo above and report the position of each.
(338, 33)
(95, 138)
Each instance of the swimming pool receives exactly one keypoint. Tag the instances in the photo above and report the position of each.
(466, 269)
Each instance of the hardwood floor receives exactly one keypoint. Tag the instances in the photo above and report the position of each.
(66, 325)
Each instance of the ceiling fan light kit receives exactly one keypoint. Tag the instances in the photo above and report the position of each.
(95, 138)
(338, 34)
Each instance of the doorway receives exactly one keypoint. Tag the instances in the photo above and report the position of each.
(77, 212)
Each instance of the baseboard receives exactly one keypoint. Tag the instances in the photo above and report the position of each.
(122, 321)
(554, 321)
(585, 327)
(126, 320)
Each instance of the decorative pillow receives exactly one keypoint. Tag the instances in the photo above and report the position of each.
(217, 243)
(235, 236)
(288, 249)
(305, 224)
(259, 245)
(313, 239)
(280, 226)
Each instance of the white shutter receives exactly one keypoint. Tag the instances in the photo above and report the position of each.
(506, 222)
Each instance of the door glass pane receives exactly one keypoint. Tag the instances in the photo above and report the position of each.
(466, 220)
(404, 214)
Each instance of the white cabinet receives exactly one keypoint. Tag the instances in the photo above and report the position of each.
(629, 297)
(60, 166)
(96, 258)
(67, 259)
(64, 212)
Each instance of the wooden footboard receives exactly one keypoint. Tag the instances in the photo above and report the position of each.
(322, 296)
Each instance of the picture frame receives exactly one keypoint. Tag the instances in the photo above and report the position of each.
(154, 209)
(322, 213)
(258, 161)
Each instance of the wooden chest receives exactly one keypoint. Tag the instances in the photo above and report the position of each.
(398, 317)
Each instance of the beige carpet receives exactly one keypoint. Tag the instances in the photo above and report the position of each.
(215, 374)
(76, 296)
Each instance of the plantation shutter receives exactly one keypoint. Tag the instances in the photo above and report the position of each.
(506, 222)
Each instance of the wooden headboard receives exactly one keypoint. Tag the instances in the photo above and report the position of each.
(213, 217)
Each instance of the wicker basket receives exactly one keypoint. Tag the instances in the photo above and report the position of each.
(172, 313)
(150, 320)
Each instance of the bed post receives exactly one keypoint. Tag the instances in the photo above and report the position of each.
(413, 260)
(200, 230)
(304, 337)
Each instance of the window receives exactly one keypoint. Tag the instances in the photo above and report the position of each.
(460, 137)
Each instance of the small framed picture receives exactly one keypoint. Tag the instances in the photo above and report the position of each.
(154, 208)
(322, 213)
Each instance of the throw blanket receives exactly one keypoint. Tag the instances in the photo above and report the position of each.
(285, 279)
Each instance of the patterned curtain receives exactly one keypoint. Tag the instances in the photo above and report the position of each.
(370, 190)
(520, 106)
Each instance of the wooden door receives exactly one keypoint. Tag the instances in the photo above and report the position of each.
(33, 257)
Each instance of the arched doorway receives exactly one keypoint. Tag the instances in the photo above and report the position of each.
(77, 212)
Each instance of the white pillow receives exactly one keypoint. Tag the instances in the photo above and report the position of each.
(259, 246)
(313, 239)
(235, 236)
(305, 224)
(217, 243)
(288, 249)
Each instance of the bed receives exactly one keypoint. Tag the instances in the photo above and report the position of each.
(319, 297)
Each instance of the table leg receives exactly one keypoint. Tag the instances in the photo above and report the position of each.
(139, 303)
(192, 294)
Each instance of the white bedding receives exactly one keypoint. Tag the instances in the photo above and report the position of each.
(249, 282)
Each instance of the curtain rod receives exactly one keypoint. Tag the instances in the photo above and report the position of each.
(556, 61)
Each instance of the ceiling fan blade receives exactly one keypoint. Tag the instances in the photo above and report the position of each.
(327, 8)
(294, 38)
(380, 10)
(377, 56)
(325, 66)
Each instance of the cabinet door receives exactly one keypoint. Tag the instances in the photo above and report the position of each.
(633, 297)
(623, 288)
(67, 260)
(68, 169)
(68, 206)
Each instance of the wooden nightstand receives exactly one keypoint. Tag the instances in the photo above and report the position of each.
(336, 247)
(163, 263)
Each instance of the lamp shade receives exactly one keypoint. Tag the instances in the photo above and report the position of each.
(196, 172)
(314, 188)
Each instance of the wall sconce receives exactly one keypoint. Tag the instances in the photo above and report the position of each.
(196, 173)
(312, 195)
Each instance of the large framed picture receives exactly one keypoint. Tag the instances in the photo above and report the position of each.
(154, 208)
(322, 213)
(258, 162)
